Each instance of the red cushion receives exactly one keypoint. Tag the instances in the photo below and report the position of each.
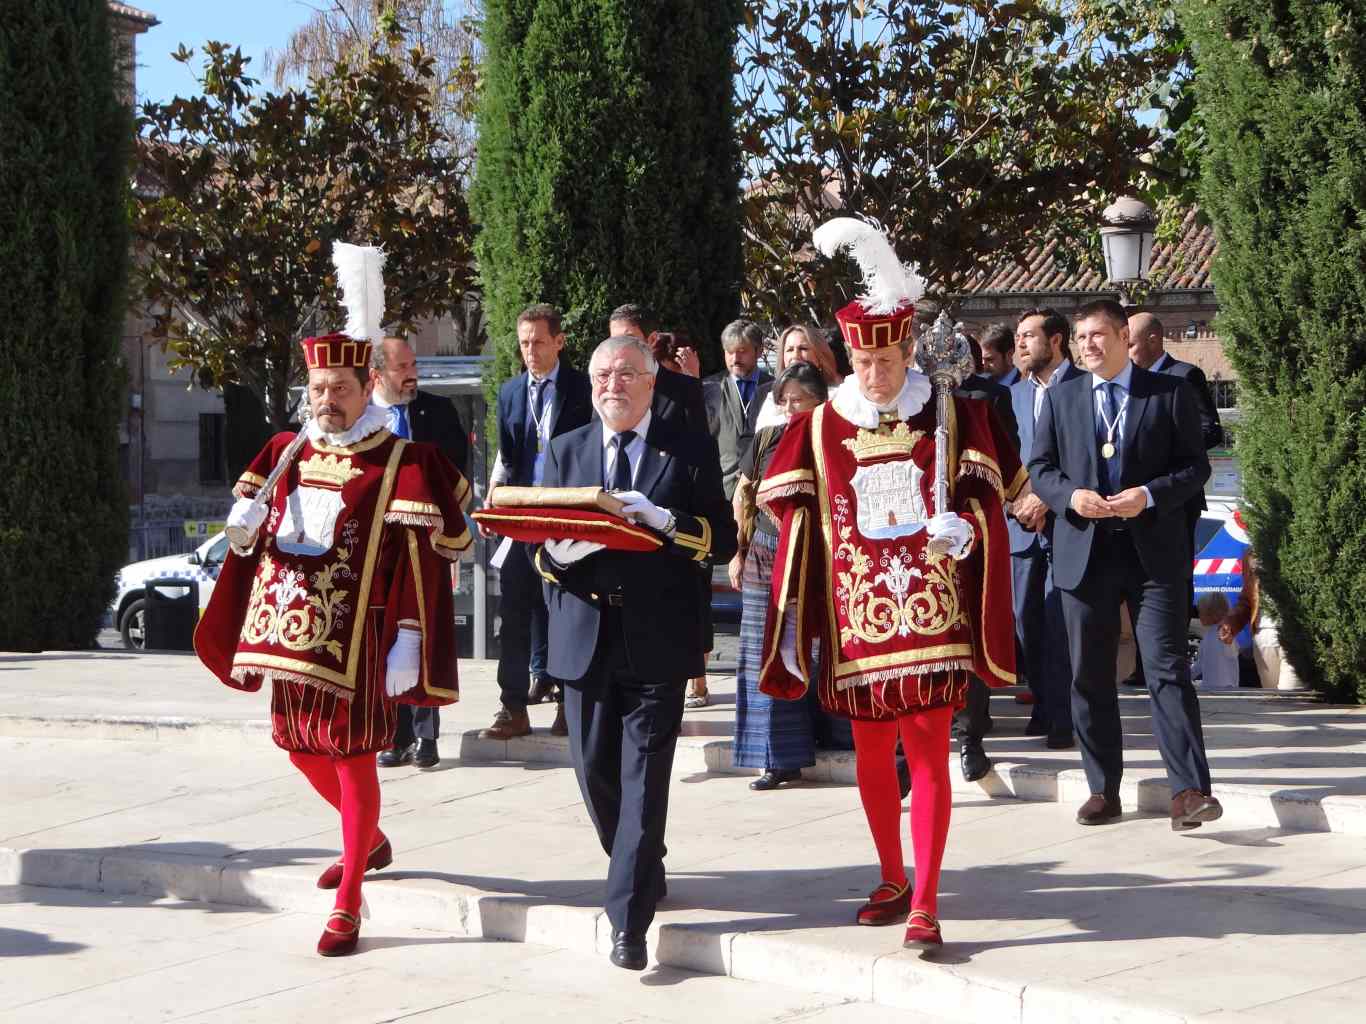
(542, 524)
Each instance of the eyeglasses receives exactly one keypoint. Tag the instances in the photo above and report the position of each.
(627, 377)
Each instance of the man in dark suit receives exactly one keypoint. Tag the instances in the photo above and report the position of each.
(1117, 456)
(422, 417)
(546, 400)
(1041, 336)
(735, 396)
(626, 628)
(678, 396)
(1148, 349)
(998, 355)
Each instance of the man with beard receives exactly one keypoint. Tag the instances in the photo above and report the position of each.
(1041, 339)
(419, 416)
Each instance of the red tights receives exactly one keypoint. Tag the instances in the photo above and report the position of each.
(351, 785)
(925, 741)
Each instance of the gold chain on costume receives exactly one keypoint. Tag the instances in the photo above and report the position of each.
(309, 627)
(875, 618)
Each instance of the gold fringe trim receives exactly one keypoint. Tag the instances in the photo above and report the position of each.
(413, 519)
(887, 674)
(272, 675)
(982, 472)
(767, 494)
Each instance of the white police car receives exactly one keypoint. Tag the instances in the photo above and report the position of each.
(201, 565)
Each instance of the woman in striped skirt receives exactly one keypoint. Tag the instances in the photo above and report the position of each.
(775, 735)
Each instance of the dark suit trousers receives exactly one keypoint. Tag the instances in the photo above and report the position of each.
(416, 724)
(622, 734)
(1114, 575)
(1042, 635)
(522, 609)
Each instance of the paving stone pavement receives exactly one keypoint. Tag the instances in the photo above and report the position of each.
(95, 957)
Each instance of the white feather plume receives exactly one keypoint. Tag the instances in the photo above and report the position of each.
(360, 275)
(888, 284)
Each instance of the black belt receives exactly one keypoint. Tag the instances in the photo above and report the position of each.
(1112, 525)
(614, 600)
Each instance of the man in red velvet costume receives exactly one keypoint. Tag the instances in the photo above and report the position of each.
(906, 599)
(341, 601)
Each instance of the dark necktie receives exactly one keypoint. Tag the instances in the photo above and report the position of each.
(746, 388)
(621, 467)
(1108, 470)
(538, 398)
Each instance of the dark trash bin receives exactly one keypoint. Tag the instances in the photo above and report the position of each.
(170, 612)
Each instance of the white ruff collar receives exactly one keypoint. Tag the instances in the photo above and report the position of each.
(850, 403)
(372, 419)
(769, 415)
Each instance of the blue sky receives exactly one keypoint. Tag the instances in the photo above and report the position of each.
(254, 25)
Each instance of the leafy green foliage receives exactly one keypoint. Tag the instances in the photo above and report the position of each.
(246, 192)
(63, 263)
(608, 168)
(1283, 105)
(967, 129)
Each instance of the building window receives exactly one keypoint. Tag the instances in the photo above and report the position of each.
(213, 448)
(1225, 393)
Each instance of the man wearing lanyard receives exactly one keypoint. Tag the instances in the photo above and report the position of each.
(547, 400)
(418, 416)
(735, 397)
(1117, 456)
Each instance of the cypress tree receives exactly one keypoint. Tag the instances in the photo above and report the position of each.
(63, 257)
(608, 167)
(1283, 102)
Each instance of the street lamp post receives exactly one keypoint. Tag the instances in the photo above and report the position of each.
(1127, 229)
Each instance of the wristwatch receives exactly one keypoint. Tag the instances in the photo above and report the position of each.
(672, 525)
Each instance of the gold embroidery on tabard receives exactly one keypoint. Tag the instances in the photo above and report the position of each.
(879, 606)
(309, 627)
(885, 442)
(330, 471)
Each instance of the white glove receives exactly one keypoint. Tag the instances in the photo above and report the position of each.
(567, 552)
(950, 534)
(405, 659)
(247, 514)
(787, 646)
(641, 509)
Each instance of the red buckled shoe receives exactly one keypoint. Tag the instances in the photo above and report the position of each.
(341, 941)
(886, 904)
(922, 931)
(380, 858)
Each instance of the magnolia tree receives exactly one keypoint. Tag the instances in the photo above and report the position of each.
(965, 128)
(243, 191)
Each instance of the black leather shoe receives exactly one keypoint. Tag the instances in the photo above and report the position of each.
(903, 778)
(773, 779)
(426, 756)
(542, 689)
(395, 757)
(628, 950)
(1037, 726)
(976, 764)
(1060, 739)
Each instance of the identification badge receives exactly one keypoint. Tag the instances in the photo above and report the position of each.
(1107, 450)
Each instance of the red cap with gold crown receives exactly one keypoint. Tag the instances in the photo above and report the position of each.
(336, 352)
(360, 274)
(881, 316)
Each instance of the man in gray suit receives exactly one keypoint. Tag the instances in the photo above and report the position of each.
(734, 397)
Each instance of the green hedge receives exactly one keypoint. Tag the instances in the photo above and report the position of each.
(1281, 97)
(608, 167)
(63, 256)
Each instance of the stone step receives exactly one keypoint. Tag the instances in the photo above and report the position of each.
(1313, 808)
(819, 960)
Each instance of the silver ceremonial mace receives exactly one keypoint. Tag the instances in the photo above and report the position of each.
(944, 355)
(239, 537)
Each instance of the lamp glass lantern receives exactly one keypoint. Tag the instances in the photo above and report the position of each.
(1128, 227)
